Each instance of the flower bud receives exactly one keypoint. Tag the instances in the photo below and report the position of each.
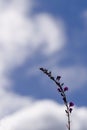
(70, 110)
(71, 104)
(65, 88)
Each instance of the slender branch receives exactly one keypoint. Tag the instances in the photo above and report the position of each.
(62, 91)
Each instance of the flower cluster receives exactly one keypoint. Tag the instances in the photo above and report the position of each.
(62, 91)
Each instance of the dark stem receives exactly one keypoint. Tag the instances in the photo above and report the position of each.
(68, 116)
(65, 102)
(62, 92)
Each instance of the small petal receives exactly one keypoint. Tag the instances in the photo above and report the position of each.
(58, 78)
(62, 84)
(71, 104)
(65, 88)
(59, 89)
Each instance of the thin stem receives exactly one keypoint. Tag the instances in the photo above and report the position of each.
(68, 116)
(62, 92)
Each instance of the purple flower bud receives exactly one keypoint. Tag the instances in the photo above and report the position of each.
(65, 88)
(71, 104)
(70, 110)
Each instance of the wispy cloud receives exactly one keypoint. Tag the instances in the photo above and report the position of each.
(21, 35)
(46, 115)
(11, 102)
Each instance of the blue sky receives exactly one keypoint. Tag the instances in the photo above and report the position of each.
(73, 53)
(50, 34)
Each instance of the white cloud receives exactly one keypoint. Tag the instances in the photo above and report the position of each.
(44, 115)
(10, 102)
(79, 118)
(21, 35)
(41, 115)
(51, 31)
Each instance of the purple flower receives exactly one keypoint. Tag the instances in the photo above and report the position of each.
(65, 88)
(71, 104)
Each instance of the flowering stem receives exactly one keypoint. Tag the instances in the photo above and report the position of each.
(62, 92)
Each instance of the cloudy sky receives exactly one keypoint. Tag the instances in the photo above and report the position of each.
(42, 33)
